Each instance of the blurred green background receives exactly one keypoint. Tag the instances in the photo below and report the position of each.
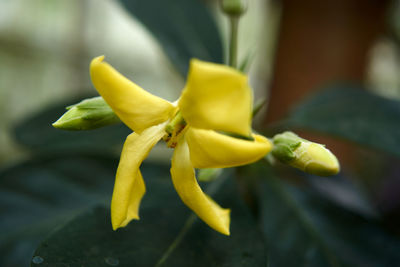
(46, 47)
(326, 68)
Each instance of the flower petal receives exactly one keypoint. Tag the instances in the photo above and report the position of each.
(217, 97)
(185, 183)
(209, 149)
(137, 108)
(136, 195)
(129, 186)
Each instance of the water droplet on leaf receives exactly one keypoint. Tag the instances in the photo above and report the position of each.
(112, 261)
(37, 260)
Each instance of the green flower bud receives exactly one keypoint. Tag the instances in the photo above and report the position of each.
(234, 7)
(307, 156)
(88, 114)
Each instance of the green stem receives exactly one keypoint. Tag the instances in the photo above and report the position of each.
(211, 190)
(233, 42)
(178, 239)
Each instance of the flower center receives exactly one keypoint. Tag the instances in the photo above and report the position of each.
(174, 129)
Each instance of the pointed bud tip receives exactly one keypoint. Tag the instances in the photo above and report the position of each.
(56, 124)
(322, 169)
(305, 155)
(323, 162)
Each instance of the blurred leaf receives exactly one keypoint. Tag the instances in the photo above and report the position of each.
(315, 232)
(37, 133)
(354, 114)
(247, 61)
(162, 237)
(185, 29)
(38, 195)
(344, 191)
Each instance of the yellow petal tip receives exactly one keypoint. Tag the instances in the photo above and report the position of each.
(115, 227)
(96, 61)
(225, 229)
(227, 232)
(99, 59)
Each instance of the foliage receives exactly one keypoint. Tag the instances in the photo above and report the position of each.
(181, 238)
(55, 205)
(352, 113)
(197, 37)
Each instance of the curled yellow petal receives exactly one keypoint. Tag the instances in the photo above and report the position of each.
(137, 192)
(129, 186)
(217, 97)
(209, 149)
(185, 183)
(137, 108)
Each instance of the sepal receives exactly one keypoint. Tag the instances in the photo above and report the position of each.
(89, 114)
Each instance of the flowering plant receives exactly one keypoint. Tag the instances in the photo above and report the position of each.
(215, 98)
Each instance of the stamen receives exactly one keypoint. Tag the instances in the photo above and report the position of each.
(177, 120)
(173, 129)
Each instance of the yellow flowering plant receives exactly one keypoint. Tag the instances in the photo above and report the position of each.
(216, 99)
(75, 198)
(209, 126)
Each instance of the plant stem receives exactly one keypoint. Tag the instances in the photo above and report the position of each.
(188, 224)
(233, 42)
(211, 190)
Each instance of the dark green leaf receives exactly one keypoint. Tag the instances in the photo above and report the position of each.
(303, 229)
(354, 114)
(38, 195)
(185, 29)
(164, 235)
(37, 133)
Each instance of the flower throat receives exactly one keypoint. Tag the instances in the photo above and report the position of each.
(174, 129)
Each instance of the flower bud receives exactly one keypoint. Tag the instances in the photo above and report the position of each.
(234, 7)
(307, 156)
(88, 114)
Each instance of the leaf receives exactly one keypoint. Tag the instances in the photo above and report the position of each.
(37, 133)
(185, 29)
(354, 114)
(40, 194)
(164, 236)
(315, 232)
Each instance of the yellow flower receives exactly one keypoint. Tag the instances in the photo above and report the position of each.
(216, 99)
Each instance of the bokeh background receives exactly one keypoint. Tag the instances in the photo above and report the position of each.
(296, 49)
(46, 47)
